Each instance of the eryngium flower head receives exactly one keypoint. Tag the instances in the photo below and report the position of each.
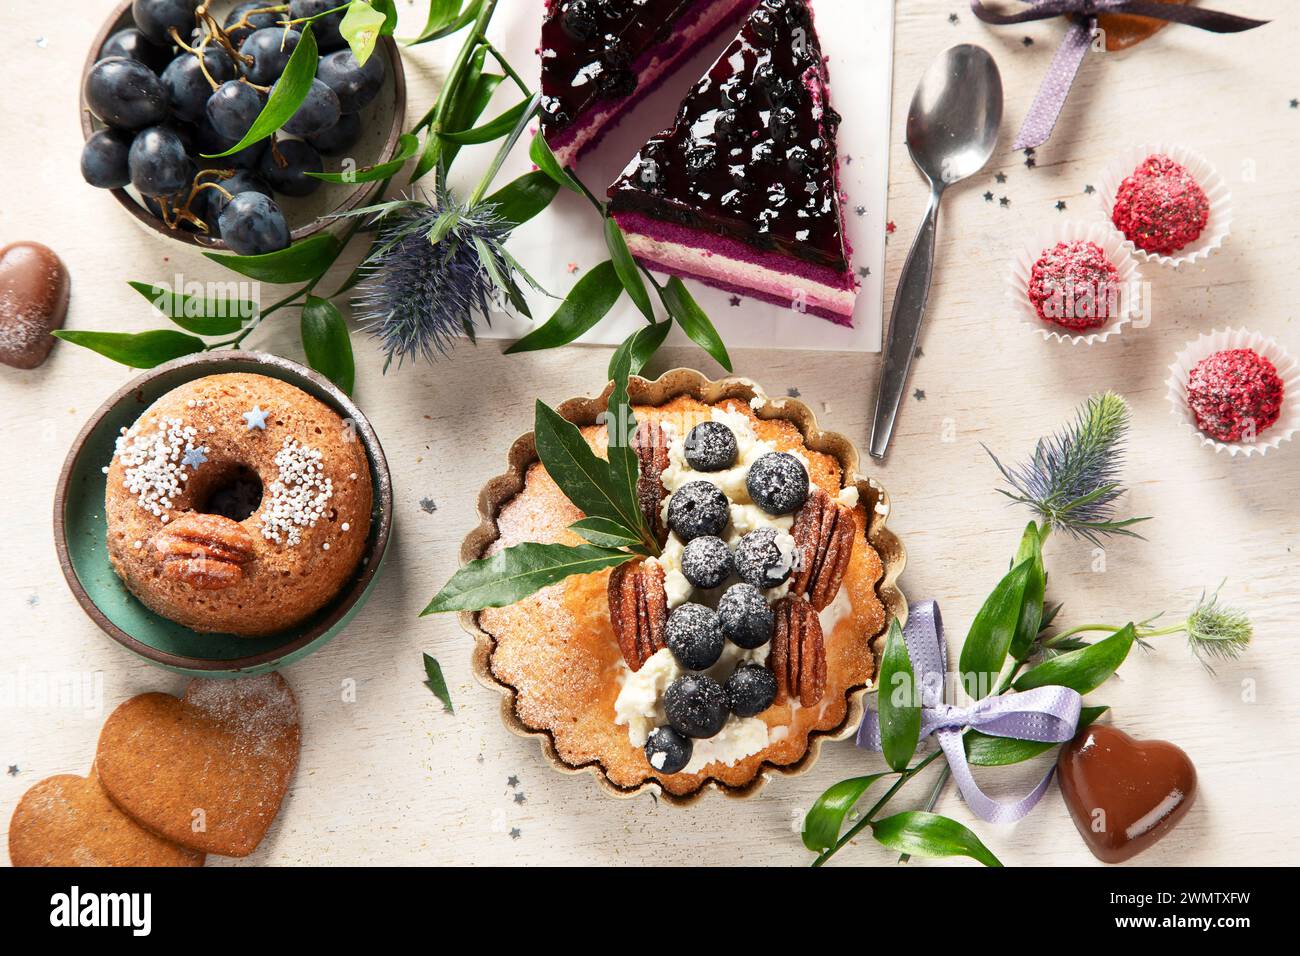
(431, 275)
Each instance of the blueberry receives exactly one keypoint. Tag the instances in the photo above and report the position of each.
(579, 20)
(253, 224)
(696, 508)
(760, 562)
(694, 636)
(103, 159)
(158, 163)
(134, 45)
(778, 483)
(706, 561)
(291, 178)
(355, 85)
(232, 108)
(710, 446)
(696, 705)
(157, 18)
(667, 750)
(125, 94)
(750, 690)
(257, 21)
(340, 137)
(319, 111)
(240, 181)
(745, 616)
(326, 29)
(270, 49)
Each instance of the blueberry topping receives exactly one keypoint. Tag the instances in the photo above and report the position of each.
(694, 636)
(759, 561)
(750, 690)
(710, 446)
(579, 20)
(696, 705)
(697, 508)
(778, 483)
(706, 561)
(667, 750)
(745, 616)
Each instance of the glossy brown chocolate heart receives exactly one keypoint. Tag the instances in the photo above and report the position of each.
(33, 302)
(1124, 794)
(1124, 30)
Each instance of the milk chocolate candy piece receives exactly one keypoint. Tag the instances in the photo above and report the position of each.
(1124, 794)
(33, 302)
(1124, 30)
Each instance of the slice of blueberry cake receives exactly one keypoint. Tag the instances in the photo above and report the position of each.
(742, 192)
(600, 57)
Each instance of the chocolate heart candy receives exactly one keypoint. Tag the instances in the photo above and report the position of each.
(1124, 30)
(208, 771)
(33, 302)
(1124, 794)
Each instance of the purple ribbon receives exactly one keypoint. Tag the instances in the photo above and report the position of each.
(1046, 108)
(1049, 714)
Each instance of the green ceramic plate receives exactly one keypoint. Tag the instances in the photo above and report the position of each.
(80, 530)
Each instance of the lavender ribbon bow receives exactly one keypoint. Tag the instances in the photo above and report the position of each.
(1048, 714)
(1046, 108)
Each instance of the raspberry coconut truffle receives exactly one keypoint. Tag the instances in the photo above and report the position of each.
(1235, 395)
(1160, 207)
(1075, 285)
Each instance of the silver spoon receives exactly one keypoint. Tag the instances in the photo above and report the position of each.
(952, 128)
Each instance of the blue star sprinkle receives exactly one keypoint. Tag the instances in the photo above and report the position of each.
(256, 418)
(515, 834)
(13, 770)
(194, 457)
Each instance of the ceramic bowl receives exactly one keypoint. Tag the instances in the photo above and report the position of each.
(584, 411)
(384, 120)
(80, 530)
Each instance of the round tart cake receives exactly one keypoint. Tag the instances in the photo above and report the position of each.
(727, 652)
(237, 504)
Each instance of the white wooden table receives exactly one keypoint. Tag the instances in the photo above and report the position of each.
(390, 778)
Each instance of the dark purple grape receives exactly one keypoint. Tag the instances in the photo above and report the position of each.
(207, 141)
(340, 137)
(318, 111)
(187, 88)
(134, 45)
(158, 162)
(270, 49)
(232, 107)
(125, 93)
(103, 159)
(252, 224)
(326, 29)
(213, 202)
(291, 178)
(355, 85)
(257, 21)
(157, 18)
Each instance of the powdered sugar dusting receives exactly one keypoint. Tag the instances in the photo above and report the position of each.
(258, 709)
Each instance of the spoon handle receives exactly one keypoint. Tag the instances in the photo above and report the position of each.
(905, 327)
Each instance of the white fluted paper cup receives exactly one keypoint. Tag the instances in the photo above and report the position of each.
(1132, 304)
(1217, 226)
(1288, 370)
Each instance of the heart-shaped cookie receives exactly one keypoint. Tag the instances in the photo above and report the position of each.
(33, 302)
(207, 771)
(1124, 794)
(1124, 30)
(69, 821)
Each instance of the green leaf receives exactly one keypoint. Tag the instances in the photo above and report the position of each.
(899, 700)
(641, 345)
(985, 750)
(517, 572)
(628, 272)
(408, 145)
(300, 262)
(202, 316)
(138, 350)
(1031, 606)
(822, 825)
(472, 98)
(286, 96)
(585, 479)
(991, 632)
(493, 129)
(389, 9)
(326, 341)
(1085, 669)
(362, 26)
(605, 533)
(437, 683)
(523, 198)
(587, 303)
(443, 20)
(927, 834)
(687, 313)
(624, 466)
(540, 153)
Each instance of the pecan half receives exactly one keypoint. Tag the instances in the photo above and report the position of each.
(207, 552)
(638, 609)
(798, 654)
(651, 445)
(823, 531)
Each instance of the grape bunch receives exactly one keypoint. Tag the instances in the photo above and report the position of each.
(177, 85)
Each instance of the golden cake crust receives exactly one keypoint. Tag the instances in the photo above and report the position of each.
(557, 648)
(282, 583)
